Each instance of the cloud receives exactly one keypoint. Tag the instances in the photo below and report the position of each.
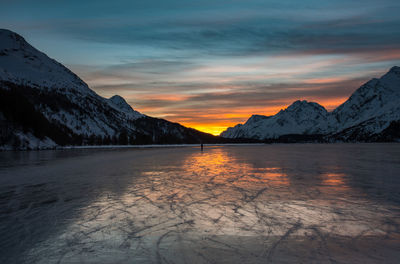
(267, 98)
(234, 30)
(249, 36)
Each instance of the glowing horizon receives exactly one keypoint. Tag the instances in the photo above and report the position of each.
(216, 128)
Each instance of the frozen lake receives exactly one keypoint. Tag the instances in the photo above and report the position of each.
(310, 203)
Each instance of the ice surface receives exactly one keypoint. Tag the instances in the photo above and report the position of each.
(299, 203)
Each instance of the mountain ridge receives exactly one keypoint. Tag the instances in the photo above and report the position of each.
(301, 117)
(370, 110)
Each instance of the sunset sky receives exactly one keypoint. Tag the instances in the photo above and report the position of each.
(212, 64)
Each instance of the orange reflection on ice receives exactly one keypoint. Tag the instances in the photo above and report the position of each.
(334, 181)
(212, 163)
(276, 176)
(215, 166)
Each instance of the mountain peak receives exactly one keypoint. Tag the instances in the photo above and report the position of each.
(297, 104)
(6, 33)
(301, 117)
(117, 99)
(10, 40)
(392, 78)
(21, 63)
(376, 98)
(121, 104)
(301, 104)
(256, 118)
(394, 69)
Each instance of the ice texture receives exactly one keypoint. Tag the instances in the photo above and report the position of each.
(303, 203)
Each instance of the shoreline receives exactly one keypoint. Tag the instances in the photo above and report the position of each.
(4, 149)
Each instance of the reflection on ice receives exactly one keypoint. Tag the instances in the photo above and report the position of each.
(334, 180)
(253, 204)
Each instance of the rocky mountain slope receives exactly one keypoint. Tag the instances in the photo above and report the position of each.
(372, 113)
(43, 104)
(370, 110)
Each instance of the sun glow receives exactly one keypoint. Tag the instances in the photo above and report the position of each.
(216, 123)
(214, 129)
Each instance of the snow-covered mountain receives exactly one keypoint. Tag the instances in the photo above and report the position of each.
(44, 104)
(118, 102)
(301, 117)
(370, 109)
(371, 113)
(22, 64)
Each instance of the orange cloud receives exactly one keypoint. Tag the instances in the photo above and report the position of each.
(164, 97)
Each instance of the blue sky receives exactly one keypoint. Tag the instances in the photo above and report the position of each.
(211, 64)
